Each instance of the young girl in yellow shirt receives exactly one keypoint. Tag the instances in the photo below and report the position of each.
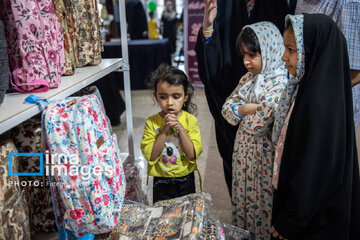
(171, 142)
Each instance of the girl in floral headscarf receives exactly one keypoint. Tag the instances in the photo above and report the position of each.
(251, 106)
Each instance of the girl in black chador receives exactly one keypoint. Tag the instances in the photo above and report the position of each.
(316, 172)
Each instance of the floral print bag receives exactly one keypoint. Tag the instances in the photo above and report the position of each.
(62, 10)
(14, 214)
(35, 45)
(88, 182)
(87, 31)
(27, 138)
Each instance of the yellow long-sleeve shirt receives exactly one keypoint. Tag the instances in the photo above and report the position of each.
(153, 29)
(172, 162)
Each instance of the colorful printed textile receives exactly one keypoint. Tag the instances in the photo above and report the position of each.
(14, 215)
(28, 139)
(288, 95)
(89, 179)
(67, 25)
(35, 45)
(87, 31)
(4, 64)
(253, 151)
(172, 162)
(178, 218)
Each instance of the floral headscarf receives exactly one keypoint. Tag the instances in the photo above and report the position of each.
(272, 48)
(289, 93)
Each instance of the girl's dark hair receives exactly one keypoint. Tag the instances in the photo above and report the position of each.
(289, 26)
(248, 37)
(175, 77)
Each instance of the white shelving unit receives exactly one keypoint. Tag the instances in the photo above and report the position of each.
(14, 110)
(126, 70)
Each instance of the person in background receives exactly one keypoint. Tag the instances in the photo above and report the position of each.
(220, 67)
(153, 27)
(172, 142)
(346, 14)
(169, 25)
(251, 106)
(136, 20)
(316, 174)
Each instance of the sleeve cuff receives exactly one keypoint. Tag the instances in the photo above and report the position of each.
(207, 40)
(235, 109)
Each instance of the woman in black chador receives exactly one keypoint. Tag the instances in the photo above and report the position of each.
(220, 66)
(316, 172)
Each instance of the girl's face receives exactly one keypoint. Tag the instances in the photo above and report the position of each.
(290, 54)
(170, 98)
(252, 61)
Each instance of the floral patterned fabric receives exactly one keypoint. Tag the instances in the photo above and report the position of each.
(28, 138)
(14, 215)
(253, 152)
(89, 197)
(289, 94)
(67, 25)
(7, 191)
(178, 218)
(35, 45)
(186, 217)
(4, 63)
(87, 31)
(14, 220)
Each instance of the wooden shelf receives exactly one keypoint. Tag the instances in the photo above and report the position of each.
(14, 110)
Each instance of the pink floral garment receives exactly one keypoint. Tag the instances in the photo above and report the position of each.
(280, 148)
(36, 48)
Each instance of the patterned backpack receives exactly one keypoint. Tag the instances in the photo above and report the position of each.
(67, 24)
(14, 214)
(27, 138)
(4, 64)
(87, 31)
(88, 182)
(35, 44)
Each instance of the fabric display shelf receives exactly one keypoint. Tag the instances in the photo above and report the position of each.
(186, 217)
(14, 110)
(144, 57)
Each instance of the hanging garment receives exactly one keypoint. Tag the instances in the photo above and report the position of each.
(67, 25)
(35, 45)
(86, 169)
(4, 64)
(87, 31)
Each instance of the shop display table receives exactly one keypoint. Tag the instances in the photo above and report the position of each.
(144, 57)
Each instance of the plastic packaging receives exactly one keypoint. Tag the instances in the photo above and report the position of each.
(187, 217)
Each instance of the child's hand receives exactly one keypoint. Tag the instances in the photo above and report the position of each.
(172, 121)
(249, 108)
